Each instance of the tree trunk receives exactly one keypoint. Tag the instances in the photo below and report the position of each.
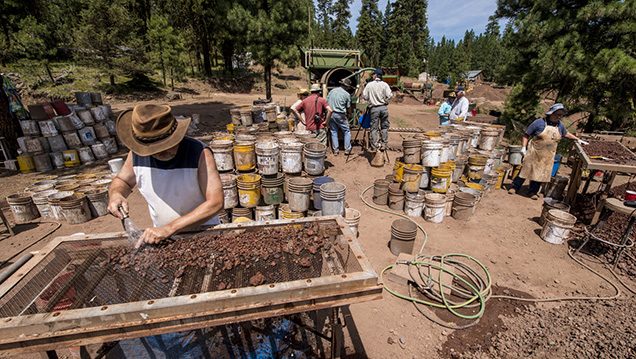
(112, 80)
(268, 81)
(9, 128)
(163, 66)
(205, 47)
(48, 71)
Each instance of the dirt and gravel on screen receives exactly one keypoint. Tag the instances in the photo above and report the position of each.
(613, 152)
(502, 235)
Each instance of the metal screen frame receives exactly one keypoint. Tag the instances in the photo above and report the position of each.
(63, 329)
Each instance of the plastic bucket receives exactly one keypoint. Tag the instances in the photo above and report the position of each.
(235, 116)
(630, 195)
(85, 155)
(515, 156)
(25, 163)
(412, 150)
(398, 170)
(99, 150)
(230, 191)
(549, 204)
(249, 190)
(87, 136)
(240, 212)
(75, 209)
(72, 140)
(431, 153)
(463, 206)
(272, 188)
(403, 233)
(352, 217)
(223, 153)
(267, 155)
(333, 195)
(287, 213)
(381, 191)
(42, 162)
(448, 209)
(101, 131)
(317, 183)
(265, 213)
(414, 204)
(440, 179)
(396, 197)
(291, 157)
(314, 158)
(557, 163)
(110, 144)
(557, 226)
(244, 155)
(425, 179)
(412, 174)
(246, 116)
(488, 139)
(22, 207)
(556, 187)
(97, 201)
(40, 199)
(299, 191)
(54, 203)
(435, 207)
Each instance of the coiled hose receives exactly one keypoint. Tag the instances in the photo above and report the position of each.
(474, 284)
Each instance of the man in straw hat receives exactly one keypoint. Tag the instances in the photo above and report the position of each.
(340, 101)
(176, 174)
(317, 113)
(544, 135)
(300, 122)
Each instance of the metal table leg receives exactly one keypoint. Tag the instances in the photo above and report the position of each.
(336, 334)
(604, 216)
(628, 231)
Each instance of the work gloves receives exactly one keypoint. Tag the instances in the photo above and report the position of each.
(581, 142)
(523, 151)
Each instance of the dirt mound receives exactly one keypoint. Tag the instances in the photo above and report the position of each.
(488, 93)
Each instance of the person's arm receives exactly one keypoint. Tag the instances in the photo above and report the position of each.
(329, 112)
(442, 110)
(121, 187)
(464, 109)
(296, 112)
(365, 93)
(212, 189)
(387, 91)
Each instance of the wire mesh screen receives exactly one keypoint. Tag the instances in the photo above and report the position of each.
(90, 273)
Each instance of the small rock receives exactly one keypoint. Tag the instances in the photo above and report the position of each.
(444, 333)
(402, 340)
(556, 281)
(390, 340)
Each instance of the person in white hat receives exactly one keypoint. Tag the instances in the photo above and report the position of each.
(541, 139)
(300, 122)
(175, 174)
(317, 113)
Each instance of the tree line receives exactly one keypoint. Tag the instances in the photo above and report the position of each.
(577, 52)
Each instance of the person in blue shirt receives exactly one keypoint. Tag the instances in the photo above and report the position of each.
(444, 109)
(340, 101)
(541, 138)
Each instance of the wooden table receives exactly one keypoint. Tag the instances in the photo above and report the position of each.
(582, 161)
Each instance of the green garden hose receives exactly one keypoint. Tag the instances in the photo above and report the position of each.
(479, 285)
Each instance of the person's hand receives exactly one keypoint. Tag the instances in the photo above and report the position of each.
(581, 142)
(115, 202)
(154, 235)
(523, 151)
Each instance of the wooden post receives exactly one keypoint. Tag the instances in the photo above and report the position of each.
(575, 181)
(608, 179)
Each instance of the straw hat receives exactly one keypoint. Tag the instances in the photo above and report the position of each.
(302, 92)
(150, 129)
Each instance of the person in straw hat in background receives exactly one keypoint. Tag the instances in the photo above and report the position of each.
(300, 122)
(175, 174)
(541, 138)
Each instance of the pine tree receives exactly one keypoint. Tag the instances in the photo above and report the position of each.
(406, 35)
(324, 36)
(580, 52)
(342, 36)
(166, 46)
(369, 34)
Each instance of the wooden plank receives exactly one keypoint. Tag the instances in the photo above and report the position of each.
(575, 181)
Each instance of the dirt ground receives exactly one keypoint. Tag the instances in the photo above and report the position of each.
(503, 235)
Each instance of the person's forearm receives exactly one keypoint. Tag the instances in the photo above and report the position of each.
(119, 187)
(197, 217)
(297, 114)
(328, 117)
(571, 137)
(524, 141)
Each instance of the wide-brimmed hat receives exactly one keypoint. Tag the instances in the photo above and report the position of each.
(302, 92)
(451, 94)
(556, 107)
(149, 129)
(315, 88)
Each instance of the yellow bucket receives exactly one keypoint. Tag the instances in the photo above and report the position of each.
(249, 189)
(242, 220)
(411, 176)
(244, 157)
(433, 134)
(501, 173)
(287, 213)
(230, 128)
(26, 164)
(440, 179)
(398, 171)
(71, 159)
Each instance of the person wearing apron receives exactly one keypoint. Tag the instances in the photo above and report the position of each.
(539, 156)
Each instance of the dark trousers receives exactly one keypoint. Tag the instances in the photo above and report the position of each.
(532, 189)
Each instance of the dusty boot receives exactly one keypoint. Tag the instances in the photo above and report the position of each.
(378, 159)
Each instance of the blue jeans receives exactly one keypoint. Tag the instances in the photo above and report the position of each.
(379, 121)
(339, 120)
(532, 189)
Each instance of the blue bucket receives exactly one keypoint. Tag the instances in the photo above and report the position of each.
(557, 163)
(317, 183)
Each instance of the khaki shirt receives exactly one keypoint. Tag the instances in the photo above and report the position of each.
(377, 93)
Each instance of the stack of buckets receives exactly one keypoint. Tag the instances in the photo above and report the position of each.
(74, 199)
(275, 175)
(61, 135)
(269, 117)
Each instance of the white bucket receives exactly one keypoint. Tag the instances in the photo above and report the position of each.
(352, 217)
(557, 226)
(47, 127)
(435, 207)
(99, 150)
(431, 153)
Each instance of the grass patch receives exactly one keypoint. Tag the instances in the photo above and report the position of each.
(400, 122)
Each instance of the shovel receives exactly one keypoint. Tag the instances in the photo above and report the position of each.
(130, 228)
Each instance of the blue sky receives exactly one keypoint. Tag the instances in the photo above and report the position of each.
(445, 17)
